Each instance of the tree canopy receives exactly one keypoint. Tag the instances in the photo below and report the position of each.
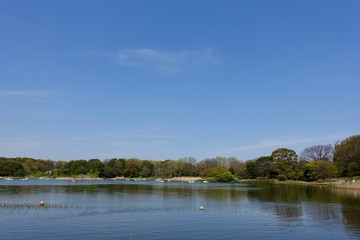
(347, 156)
(314, 163)
(317, 152)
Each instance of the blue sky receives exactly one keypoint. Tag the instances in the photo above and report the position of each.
(167, 79)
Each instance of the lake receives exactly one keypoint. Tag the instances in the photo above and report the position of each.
(170, 210)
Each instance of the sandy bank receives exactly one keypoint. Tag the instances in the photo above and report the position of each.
(185, 179)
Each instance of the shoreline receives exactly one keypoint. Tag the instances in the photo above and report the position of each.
(337, 183)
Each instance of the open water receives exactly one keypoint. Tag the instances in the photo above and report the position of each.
(88, 210)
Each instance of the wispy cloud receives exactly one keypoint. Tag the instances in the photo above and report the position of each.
(26, 93)
(166, 62)
(266, 144)
(262, 144)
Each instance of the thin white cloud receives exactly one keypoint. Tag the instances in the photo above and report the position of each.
(26, 93)
(262, 144)
(265, 144)
(166, 62)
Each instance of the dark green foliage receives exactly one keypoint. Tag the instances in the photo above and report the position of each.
(320, 169)
(285, 163)
(347, 156)
(265, 167)
(251, 169)
(118, 165)
(107, 172)
(95, 167)
(75, 167)
(11, 168)
(281, 177)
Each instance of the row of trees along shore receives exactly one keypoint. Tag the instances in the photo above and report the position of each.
(313, 163)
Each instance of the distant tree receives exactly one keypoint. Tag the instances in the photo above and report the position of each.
(10, 167)
(347, 156)
(75, 167)
(321, 169)
(147, 169)
(264, 166)
(118, 165)
(213, 163)
(95, 167)
(190, 160)
(251, 169)
(317, 152)
(132, 168)
(225, 177)
(221, 175)
(285, 163)
(238, 169)
(59, 164)
(107, 172)
(187, 166)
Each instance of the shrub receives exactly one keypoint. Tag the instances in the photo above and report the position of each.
(282, 178)
(224, 177)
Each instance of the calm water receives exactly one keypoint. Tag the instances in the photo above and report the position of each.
(152, 210)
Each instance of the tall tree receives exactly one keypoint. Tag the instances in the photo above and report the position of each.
(347, 156)
(264, 166)
(317, 152)
(285, 163)
(321, 169)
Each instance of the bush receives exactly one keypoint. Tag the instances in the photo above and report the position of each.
(282, 178)
(221, 175)
(225, 177)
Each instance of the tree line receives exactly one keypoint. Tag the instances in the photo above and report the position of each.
(316, 162)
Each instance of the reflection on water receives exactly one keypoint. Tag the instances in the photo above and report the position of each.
(148, 210)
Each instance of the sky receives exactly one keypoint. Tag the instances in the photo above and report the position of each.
(82, 79)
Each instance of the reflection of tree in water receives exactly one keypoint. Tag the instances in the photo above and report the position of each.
(351, 219)
(218, 192)
(287, 202)
(318, 203)
(350, 209)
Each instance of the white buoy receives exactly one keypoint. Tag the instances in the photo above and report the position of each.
(201, 208)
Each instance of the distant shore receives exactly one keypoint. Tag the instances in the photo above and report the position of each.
(337, 183)
(174, 179)
(333, 183)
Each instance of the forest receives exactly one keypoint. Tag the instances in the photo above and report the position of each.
(314, 163)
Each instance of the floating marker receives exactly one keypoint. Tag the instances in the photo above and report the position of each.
(42, 203)
(201, 208)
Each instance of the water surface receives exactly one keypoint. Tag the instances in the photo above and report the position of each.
(152, 210)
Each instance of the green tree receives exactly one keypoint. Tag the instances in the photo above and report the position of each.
(264, 166)
(10, 167)
(347, 156)
(251, 169)
(221, 175)
(118, 165)
(107, 172)
(95, 167)
(75, 167)
(147, 169)
(321, 169)
(132, 168)
(285, 163)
